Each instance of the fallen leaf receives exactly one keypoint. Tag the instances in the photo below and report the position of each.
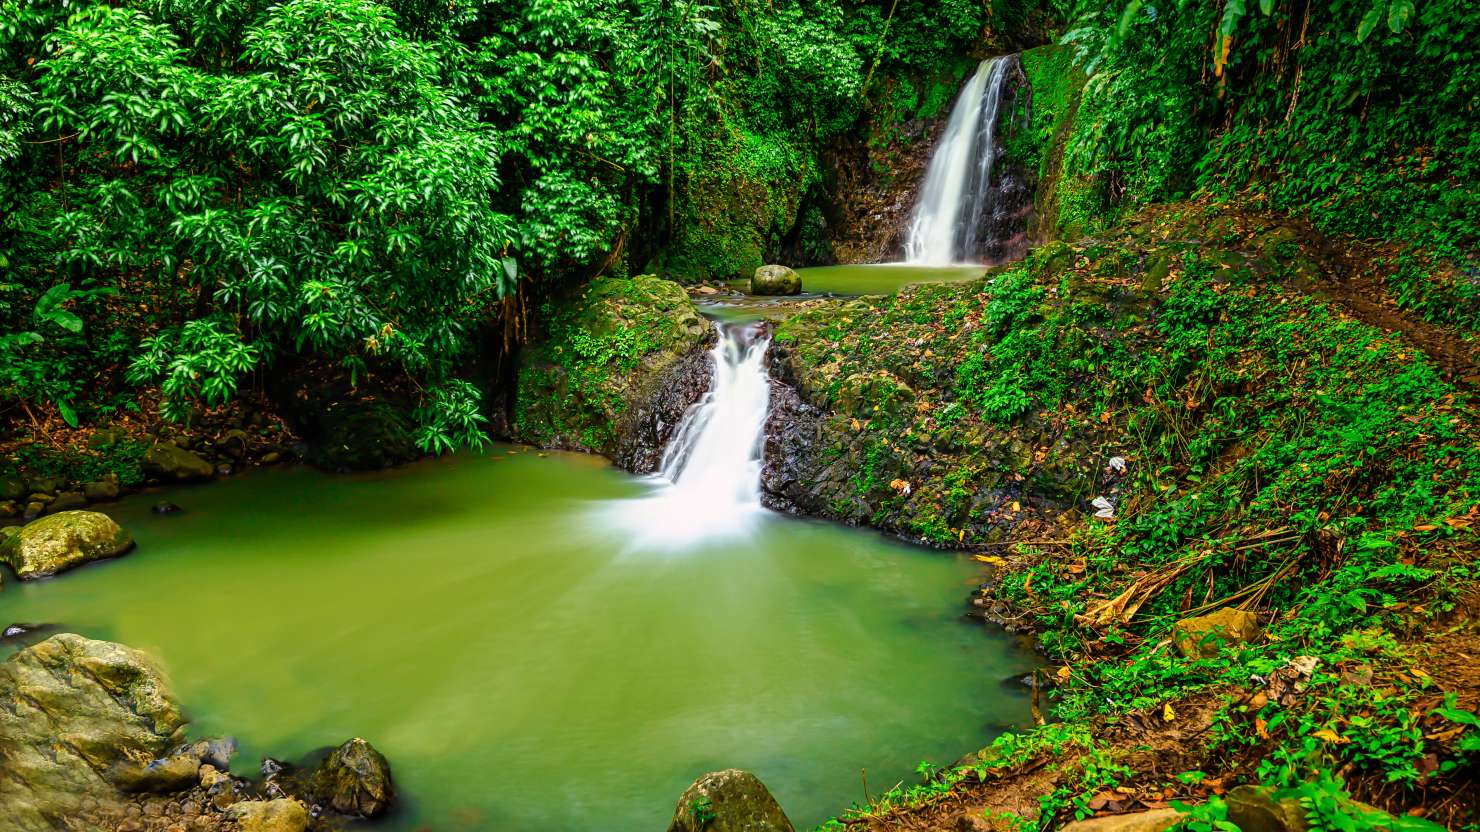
(1063, 673)
(1167, 713)
(991, 559)
(1016, 506)
(1330, 736)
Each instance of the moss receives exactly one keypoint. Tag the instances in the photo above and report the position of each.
(599, 348)
(1066, 203)
(742, 195)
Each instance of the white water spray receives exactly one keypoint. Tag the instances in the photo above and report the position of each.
(709, 483)
(957, 183)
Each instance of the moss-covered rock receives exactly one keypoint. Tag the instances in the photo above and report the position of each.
(1204, 635)
(775, 280)
(169, 461)
(63, 540)
(354, 779)
(604, 354)
(728, 801)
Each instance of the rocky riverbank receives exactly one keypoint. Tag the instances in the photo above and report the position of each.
(93, 738)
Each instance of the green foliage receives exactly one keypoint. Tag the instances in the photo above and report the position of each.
(1356, 114)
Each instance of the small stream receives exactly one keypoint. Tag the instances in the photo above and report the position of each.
(525, 663)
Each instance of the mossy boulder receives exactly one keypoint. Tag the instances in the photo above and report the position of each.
(76, 716)
(169, 461)
(728, 801)
(1204, 635)
(63, 540)
(775, 280)
(354, 779)
(605, 352)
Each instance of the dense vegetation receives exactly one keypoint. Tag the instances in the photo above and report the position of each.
(194, 191)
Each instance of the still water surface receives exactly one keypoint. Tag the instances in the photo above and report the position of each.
(524, 665)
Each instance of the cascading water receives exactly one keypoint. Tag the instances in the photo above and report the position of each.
(709, 482)
(958, 186)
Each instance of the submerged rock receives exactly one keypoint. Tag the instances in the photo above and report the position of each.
(61, 541)
(728, 801)
(75, 716)
(1204, 635)
(354, 779)
(169, 461)
(166, 507)
(775, 280)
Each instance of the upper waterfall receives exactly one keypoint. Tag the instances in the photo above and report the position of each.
(958, 190)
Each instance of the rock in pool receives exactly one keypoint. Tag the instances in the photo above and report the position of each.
(775, 280)
(169, 461)
(354, 779)
(61, 541)
(729, 801)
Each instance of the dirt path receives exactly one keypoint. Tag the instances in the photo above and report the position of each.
(1352, 279)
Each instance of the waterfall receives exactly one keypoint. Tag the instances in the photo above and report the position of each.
(958, 183)
(709, 483)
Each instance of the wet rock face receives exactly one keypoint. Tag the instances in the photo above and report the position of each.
(728, 801)
(61, 541)
(793, 430)
(76, 716)
(651, 422)
(354, 779)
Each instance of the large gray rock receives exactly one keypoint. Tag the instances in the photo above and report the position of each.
(775, 280)
(169, 461)
(728, 801)
(354, 779)
(76, 717)
(61, 541)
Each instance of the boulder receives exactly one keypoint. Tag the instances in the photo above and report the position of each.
(1204, 635)
(61, 541)
(1154, 820)
(106, 488)
(66, 501)
(234, 443)
(354, 779)
(169, 461)
(1258, 809)
(282, 815)
(13, 487)
(47, 485)
(775, 280)
(728, 801)
(75, 715)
